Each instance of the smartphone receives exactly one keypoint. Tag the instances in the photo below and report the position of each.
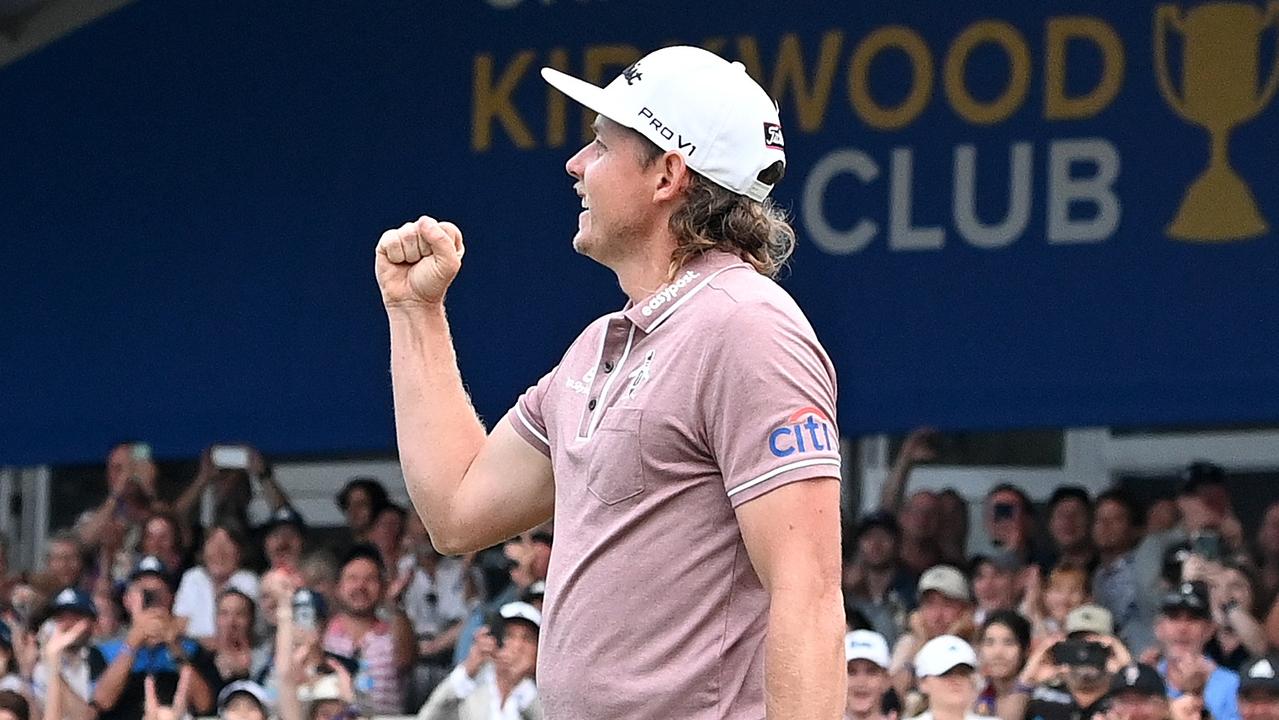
(149, 599)
(230, 457)
(1004, 511)
(141, 451)
(303, 610)
(1207, 545)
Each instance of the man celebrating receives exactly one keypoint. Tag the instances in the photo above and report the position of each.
(686, 445)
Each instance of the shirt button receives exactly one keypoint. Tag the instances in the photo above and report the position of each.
(608, 366)
(591, 405)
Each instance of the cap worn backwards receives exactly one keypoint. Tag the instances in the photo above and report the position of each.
(696, 103)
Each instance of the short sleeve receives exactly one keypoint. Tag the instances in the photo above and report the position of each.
(769, 402)
(527, 416)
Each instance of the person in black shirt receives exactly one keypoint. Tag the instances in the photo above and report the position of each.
(1082, 695)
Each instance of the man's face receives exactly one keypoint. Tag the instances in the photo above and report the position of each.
(1111, 529)
(518, 654)
(221, 554)
(877, 548)
(1068, 524)
(1181, 632)
(1086, 678)
(1259, 705)
(1137, 706)
(234, 619)
(995, 589)
(159, 537)
(939, 613)
(283, 546)
(360, 587)
(617, 193)
(359, 510)
(867, 683)
(65, 563)
(919, 516)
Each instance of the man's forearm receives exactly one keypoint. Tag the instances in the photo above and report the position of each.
(436, 427)
(804, 668)
(107, 692)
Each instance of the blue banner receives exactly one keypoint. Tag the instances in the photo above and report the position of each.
(1011, 214)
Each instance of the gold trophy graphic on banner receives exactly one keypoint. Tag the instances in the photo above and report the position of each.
(1221, 48)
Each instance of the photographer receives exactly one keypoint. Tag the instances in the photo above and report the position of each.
(154, 647)
(1080, 694)
(497, 678)
(114, 528)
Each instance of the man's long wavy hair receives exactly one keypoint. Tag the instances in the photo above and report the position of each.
(716, 218)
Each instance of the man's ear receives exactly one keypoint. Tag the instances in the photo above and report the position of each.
(674, 176)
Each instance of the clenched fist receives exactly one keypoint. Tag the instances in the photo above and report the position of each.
(416, 262)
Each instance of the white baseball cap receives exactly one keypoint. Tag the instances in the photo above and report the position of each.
(866, 645)
(943, 654)
(521, 611)
(694, 102)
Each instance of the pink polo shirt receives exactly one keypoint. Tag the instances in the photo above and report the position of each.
(659, 421)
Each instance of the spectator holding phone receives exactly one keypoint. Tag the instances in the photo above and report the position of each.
(227, 473)
(1183, 630)
(1010, 524)
(1085, 681)
(155, 646)
(114, 528)
(918, 514)
(497, 678)
(219, 570)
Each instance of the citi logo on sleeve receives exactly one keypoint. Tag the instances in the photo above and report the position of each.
(806, 430)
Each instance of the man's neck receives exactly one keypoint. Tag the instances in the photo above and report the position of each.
(1106, 557)
(642, 272)
(1078, 556)
(358, 625)
(872, 714)
(506, 684)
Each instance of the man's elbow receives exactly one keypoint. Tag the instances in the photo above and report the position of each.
(452, 539)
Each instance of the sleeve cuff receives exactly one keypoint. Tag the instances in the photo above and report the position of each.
(525, 428)
(809, 469)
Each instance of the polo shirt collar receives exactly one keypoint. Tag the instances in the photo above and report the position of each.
(689, 280)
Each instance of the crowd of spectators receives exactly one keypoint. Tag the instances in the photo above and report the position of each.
(1092, 606)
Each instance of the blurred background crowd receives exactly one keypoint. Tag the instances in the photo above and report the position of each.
(1091, 605)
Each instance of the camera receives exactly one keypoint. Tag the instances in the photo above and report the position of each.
(1207, 545)
(1080, 652)
(150, 599)
(229, 457)
(1004, 511)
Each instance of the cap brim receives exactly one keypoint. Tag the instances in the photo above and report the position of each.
(591, 96)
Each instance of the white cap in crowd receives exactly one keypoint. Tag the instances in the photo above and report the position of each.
(698, 104)
(866, 645)
(521, 611)
(945, 579)
(943, 654)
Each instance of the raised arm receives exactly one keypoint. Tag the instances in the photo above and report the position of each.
(472, 489)
(792, 538)
(916, 448)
